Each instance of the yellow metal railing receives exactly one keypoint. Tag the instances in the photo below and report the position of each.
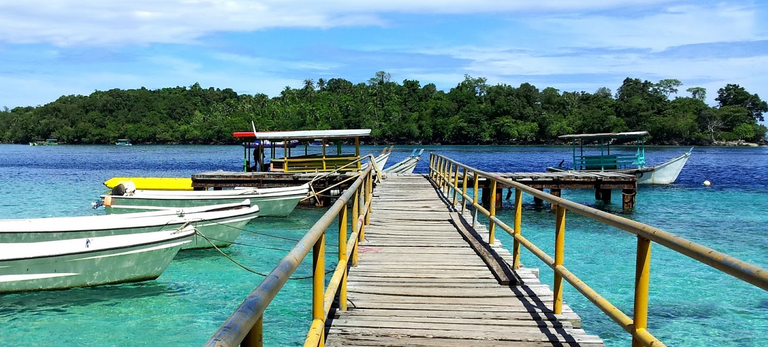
(446, 172)
(244, 326)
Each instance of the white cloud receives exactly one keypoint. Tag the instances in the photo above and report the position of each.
(682, 25)
(90, 22)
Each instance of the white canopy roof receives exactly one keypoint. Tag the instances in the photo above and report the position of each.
(311, 134)
(630, 134)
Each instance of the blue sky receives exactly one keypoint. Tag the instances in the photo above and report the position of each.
(50, 48)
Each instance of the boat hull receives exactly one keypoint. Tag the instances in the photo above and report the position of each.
(63, 264)
(665, 173)
(272, 202)
(407, 165)
(221, 227)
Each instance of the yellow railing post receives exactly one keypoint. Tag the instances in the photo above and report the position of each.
(517, 225)
(449, 169)
(255, 337)
(369, 191)
(355, 216)
(642, 282)
(439, 171)
(474, 198)
(343, 257)
(492, 210)
(360, 216)
(318, 282)
(455, 185)
(559, 255)
(464, 191)
(443, 176)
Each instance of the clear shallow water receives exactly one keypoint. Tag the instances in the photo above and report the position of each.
(691, 304)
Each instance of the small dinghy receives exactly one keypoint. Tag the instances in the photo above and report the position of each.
(220, 224)
(90, 261)
(272, 202)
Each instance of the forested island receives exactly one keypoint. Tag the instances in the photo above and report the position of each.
(473, 112)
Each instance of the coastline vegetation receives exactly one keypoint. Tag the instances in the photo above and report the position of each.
(472, 112)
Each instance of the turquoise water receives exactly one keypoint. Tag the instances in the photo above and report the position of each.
(691, 304)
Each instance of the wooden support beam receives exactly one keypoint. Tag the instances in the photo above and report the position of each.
(555, 192)
(628, 199)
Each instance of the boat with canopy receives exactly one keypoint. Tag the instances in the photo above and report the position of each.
(329, 156)
(592, 153)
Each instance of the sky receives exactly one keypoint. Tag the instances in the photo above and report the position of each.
(50, 48)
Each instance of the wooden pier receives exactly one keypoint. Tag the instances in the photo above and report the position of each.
(424, 278)
(555, 182)
(222, 179)
(330, 184)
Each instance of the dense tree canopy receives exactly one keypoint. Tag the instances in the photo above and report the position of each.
(473, 112)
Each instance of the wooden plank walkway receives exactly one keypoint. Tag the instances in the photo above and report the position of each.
(600, 180)
(419, 283)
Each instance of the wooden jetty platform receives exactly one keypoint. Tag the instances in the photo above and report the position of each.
(601, 182)
(221, 179)
(330, 184)
(421, 281)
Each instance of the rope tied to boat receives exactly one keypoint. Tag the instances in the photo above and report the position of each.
(182, 227)
(197, 232)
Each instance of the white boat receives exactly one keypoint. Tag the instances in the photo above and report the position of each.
(407, 165)
(602, 160)
(221, 224)
(380, 159)
(272, 202)
(665, 173)
(81, 262)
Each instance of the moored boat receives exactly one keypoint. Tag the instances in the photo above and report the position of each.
(272, 202)
(221, 224)
(81, 262)
(152, 183)
(310, 160)
(380, 160)
(602, 160)
(407, 165)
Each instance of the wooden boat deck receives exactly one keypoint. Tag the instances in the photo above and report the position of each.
(421, 282)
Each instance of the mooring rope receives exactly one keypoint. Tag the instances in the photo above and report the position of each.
(268, 235)
(197, 232)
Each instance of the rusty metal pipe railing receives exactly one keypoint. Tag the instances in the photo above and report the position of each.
(646, 234)
(245, 320)
(730, 265)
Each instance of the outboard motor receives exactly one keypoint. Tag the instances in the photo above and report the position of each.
(124, 189)
(119, 190)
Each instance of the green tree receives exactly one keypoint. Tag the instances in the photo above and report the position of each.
(668, 86)
(735, 95)
(698, 93)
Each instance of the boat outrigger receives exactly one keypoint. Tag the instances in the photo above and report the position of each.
(628, 163)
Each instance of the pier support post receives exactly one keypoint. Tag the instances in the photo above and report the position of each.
(537, 201)
(628, 198)
(603, 194)
(555, 192)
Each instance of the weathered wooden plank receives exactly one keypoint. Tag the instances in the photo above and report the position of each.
(418, 283)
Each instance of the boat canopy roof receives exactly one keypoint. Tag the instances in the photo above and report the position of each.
(623, 135)
(304, 134)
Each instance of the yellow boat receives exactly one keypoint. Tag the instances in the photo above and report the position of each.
(152, 183)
